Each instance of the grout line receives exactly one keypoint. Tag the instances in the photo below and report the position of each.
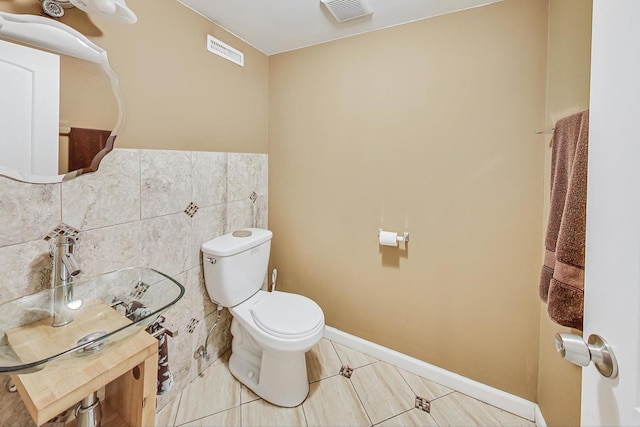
(240, 400)
(61, 201)
(447, 394)
(324, 378)
(337, 352)
(406, 382)
(173, 419)
(140, 183)
(304, 414)
(360, 400)
(394, 416)
(416, 393)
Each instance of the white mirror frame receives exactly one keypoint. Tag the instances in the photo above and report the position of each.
(59, 38)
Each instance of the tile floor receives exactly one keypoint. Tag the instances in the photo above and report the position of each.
(376, 393)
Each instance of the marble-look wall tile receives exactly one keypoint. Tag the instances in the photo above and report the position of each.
(180, 314)
(110, 248)
(208, 223)
(247, 173)
(180, 350)
(209, 178)
(245, 213)
(25, 269)
(261, 212)
(27, 211)
(219, 341)
(107, 197)
(166, 243)
(165, 182)
(131, 214)
(239, 215)
(181, 346)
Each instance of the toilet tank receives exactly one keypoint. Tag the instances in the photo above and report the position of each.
(235, 265)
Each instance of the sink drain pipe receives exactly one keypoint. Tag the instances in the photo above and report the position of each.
(89, 413)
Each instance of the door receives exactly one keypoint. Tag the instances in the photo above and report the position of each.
(612, 275)
(29, 112)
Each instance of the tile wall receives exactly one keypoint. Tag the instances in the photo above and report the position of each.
(141, 208)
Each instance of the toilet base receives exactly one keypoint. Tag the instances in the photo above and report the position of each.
(278, 377)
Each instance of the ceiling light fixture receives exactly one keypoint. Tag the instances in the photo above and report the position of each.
(113, 10)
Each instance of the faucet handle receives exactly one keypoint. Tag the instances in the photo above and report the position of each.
(72, 239)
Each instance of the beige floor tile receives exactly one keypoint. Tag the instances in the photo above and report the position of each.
(215, 391)
(333, 402)
(262, 414)
(411, 418)
(423, 387)
(382, 390)
(247, 395)
(508, 419)
(228, 418)
(322, 361)
(353, 358)
(166, 417)
(456, 409)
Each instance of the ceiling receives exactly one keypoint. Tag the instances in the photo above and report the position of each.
(275, 26)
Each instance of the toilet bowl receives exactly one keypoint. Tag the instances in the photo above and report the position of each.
(269, 345)
(271, 331)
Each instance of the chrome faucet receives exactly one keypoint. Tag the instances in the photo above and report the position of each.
(65, 268)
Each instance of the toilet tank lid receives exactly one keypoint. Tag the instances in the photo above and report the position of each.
(236, 242)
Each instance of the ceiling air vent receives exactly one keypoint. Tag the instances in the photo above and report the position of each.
(346, 10)
(224, 50)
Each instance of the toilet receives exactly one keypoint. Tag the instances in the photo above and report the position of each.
(271, 331)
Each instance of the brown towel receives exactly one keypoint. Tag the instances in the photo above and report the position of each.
(136, 311)
(165, 377)
(562, 277)
(84, 145)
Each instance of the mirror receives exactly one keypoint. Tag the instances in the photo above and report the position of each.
(91, 107)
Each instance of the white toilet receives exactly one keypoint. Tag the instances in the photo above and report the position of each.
(271, 331)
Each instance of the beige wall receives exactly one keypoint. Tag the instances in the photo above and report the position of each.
(429, 128)
(178, 95)
(568, 71)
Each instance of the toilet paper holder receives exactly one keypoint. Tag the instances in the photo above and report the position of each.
(400, 239)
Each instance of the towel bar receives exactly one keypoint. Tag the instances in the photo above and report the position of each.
(546, 131)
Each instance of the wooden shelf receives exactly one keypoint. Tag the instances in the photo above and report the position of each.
(127, 370)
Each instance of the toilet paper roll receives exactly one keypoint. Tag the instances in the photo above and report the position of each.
(388, 238)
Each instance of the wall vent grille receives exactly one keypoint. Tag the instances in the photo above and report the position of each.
(224, 50)
(346, 10)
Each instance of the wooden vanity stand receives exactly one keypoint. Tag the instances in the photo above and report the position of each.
(127, 370)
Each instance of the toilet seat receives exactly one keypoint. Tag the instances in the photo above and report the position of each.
(286, 315)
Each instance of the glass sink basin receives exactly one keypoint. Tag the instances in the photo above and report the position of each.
(106, 309)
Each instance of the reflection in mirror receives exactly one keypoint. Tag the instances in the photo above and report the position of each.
(88, 112)
(91, 108)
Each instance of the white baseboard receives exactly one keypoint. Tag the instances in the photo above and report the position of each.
(540, 422)
(498, 398)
